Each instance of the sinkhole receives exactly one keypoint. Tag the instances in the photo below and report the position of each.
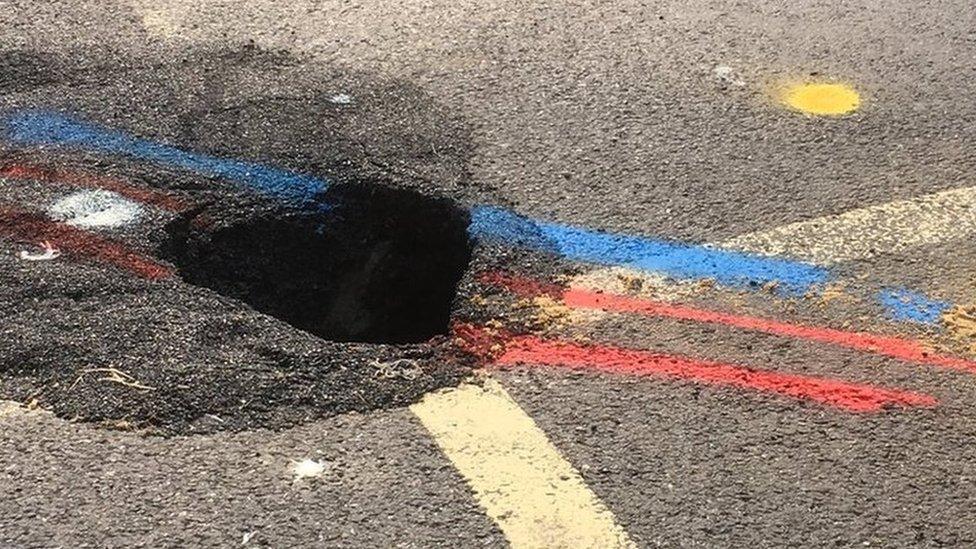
(381, 266)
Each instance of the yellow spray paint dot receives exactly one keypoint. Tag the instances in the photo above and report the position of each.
(823, 99)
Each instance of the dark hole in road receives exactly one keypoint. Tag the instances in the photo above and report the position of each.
(382, 266)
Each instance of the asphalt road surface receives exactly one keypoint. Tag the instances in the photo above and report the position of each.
(479, 274)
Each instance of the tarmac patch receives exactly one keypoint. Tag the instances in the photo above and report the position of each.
(294, 257)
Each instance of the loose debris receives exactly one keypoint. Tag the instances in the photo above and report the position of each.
(115, 376)
(403, 368)
(307, 468)
(49, 253)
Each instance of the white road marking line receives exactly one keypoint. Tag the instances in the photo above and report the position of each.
(534, 495)
(867, 232)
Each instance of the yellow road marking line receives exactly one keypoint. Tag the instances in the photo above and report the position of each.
(534, 495)
(866, 232)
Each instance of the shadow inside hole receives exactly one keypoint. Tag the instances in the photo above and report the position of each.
(381, 267)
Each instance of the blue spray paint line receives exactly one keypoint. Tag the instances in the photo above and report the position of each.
(675, 259)
(908, 305)
(33, 127)
(502, 225)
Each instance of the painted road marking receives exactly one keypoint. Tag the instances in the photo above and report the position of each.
(50, 128)
(864, 233)
(851, 397)
(908, 305)
(95, 209)
(675, 259)
(534, 495)
(894, 347)
(307, 468)
(822, 99)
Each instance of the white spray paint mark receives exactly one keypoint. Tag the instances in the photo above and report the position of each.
(49, 253)
(727, 75)
(95, 208)
(158, 22)
(307, 468)
(341, 99)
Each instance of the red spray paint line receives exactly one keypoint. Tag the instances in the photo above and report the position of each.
(894, 347)
(149, 197)
(852, 397)
(521, 285)
(33, 227)
(90, 181)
